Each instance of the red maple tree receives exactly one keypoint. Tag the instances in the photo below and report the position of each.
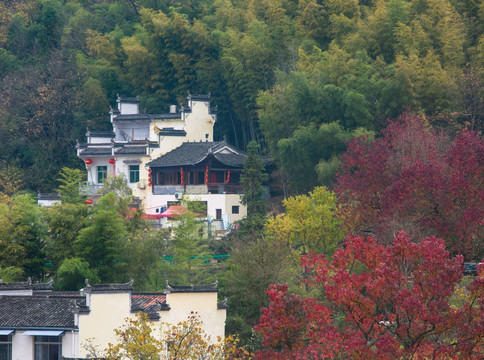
(378, 302)
(416, 179)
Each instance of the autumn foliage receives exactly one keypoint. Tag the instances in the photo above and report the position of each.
(394, 302)
(417, 179)
(142, 339)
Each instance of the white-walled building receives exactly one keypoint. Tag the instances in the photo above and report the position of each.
(166, 157)
(39, 323)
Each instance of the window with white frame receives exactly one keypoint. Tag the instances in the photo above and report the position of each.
(48, 347)
(134, 173)
(102, 172)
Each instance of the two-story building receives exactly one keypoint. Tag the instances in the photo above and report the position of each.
(166, 157)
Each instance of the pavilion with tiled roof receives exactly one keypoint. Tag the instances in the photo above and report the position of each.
(217, 165)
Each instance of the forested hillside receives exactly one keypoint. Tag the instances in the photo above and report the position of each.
(300, 77)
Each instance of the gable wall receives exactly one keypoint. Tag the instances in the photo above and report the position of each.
(108, 312)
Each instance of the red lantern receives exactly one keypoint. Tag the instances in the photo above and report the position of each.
(181, 176)
(88, 162)
(112, 161)
(206, 175)
(149, 177)
(228, 177)
(88, 201)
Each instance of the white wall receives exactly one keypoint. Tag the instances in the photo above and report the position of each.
(108, 312)
(128, 108)
(129, 131)
(99, 140)
(70, 344)
(199, 122)
(48, 203)
(22, 346)
(214, 202)
(204, 304)
(92, 169)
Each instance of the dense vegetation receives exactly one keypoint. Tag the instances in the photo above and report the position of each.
(312, 82)
(299, 77)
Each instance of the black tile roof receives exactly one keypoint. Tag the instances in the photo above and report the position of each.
(201, 97)
(37, 311)
(186, 154)
(133, 117)
(191, 288)
(235, 160)
(222, 304)
(172, 132)
(166, 116)
(128, 99)
(132, 161)
(95, 151)
(109, 134)
(48, 196)
(192, 153)
(146, 117)
(135, 150)
(109, 287)
(26, 285)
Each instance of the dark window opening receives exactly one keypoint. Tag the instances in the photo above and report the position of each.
(235, 209)
(218, 215)
(48, 347)
(5, 347)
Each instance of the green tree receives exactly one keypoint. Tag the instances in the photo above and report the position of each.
(10, 180)
(72, 274)
(118, 186)
(8, 62)
(309, 157)
(252, 178)
(188, 259)
(144, 250)
(11, 274)
(65, 222)
(39, 135)
(103, 242)
(23, 235)
(252, 267)
(70, 180)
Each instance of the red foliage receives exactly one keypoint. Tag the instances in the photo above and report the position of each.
(419, 180)
(301, 328)
(395, 302)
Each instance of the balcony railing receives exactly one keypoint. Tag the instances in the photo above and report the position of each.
(197, 189)
(89, 189)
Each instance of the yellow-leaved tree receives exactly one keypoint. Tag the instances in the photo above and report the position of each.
(310, 222)
(138, 340)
